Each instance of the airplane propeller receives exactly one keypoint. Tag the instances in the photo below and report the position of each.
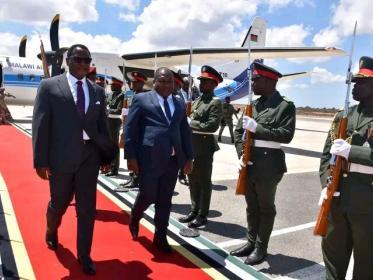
(22, 47)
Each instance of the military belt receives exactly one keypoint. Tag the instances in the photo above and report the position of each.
(201, 132)
(266, 144)
(114, 116)
(359, 168)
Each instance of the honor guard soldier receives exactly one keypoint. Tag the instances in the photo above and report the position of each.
(100, 81)
(205, 119)
(137, 82)
(228, 112)
(350, 226)
(115, 103)
(272, 123)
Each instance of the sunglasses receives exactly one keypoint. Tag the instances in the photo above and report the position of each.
(78, 59)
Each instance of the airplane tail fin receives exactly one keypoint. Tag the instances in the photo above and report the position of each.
(256, 33)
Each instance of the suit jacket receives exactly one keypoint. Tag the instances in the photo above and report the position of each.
(356, 189)
(150, 138)
(276, 122)
(57, 125)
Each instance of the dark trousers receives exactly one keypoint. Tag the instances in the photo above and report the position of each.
(200, 185)
(157, 189)
(82, 184)
(114, 128)
(229, 123)
(347, 232)
(261, 209)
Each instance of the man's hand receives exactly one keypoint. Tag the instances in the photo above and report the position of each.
(43, 172)
(340, 148)
(188, 167)
(324, 195)
(132, 165)
(242, 164)
(249, 124)
(105, 168)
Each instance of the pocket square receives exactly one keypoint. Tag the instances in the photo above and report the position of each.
(98, 103)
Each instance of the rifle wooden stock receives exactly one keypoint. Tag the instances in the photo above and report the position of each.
(44, 60)
(125, 103)
(242, 178)
(335, 171)
(189, 108)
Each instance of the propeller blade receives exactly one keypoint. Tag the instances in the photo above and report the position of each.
(22, 47)
(53, 33)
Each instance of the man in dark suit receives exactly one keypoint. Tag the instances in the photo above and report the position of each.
(158, 143)
(70, 139)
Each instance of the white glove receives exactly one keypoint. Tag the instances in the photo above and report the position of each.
(340, 148)
(125, 111)
(189, 120)
(241, 164)
(249, 123)
(323, 195)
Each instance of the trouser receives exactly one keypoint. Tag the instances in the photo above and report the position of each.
(230, 126)
(261, 209)
(200, 185)
(114, 128)
(347, 232)
(157, 189)
(82, 184)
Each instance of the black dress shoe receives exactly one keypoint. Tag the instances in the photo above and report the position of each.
(87, 264)
(52, 240)
(134, 230)
(112, 173)
(126, 183)
(198, 222)
(256, 256)
(243, 251)
(188, 218)
(162, 245)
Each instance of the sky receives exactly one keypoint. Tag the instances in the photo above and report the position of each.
(129, 26)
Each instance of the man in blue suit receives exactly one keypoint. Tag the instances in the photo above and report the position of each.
(158, 143)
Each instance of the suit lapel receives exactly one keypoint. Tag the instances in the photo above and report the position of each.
(63, 84)
(177, 108)
(158, 108)
(92, 99)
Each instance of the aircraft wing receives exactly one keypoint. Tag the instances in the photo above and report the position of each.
(201, 56)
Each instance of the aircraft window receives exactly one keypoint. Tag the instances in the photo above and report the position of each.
(32, 77)
(20, 76)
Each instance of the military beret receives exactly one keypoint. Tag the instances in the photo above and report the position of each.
(92, 70)
(207, 72)
(365, 69)
(261, 70)
(136, 76)
(177, 78)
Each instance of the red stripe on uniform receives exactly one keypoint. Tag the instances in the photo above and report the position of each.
(366, 72)
(266, 74)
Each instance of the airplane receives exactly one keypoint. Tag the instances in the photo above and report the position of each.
(21, 75)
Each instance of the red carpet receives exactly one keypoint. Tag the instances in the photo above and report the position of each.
(115, 254)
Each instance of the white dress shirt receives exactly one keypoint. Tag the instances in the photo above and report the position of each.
(74, 90)
(171, 104)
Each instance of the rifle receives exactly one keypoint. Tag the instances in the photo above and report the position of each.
(189, 102)
(242, 178)
(44, 59)
(335, 168)
(121, 143)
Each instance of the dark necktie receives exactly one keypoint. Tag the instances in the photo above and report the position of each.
(80, 102)
(167, 109)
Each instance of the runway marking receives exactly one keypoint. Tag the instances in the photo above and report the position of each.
(235, 242)
(21, 257)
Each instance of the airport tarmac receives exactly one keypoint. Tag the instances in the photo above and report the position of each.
(293, 253)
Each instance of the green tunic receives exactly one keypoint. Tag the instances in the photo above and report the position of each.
(351, 219)
(228, 112)
(205, 119)
(276, 122)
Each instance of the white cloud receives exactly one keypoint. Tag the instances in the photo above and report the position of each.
(9, 43)
(128, 4)
(343, 19)
(285, 85)
(289, 36)
(41, 12)
(128, 17)
(275, 4)
(321, 75)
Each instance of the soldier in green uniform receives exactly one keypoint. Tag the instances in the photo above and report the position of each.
(137, 82)
(205, 118)
(115, 101)
(272, 123)
(228, 112)
(351, 219)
